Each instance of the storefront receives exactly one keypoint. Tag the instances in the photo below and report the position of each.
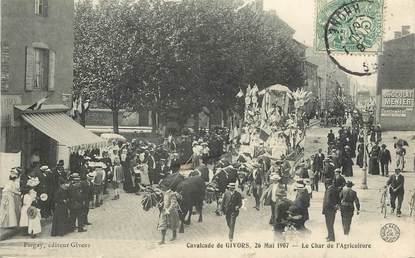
(49, 135)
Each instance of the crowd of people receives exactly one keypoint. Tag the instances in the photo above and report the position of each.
(43, 193)
(333, 169)
(66, 196)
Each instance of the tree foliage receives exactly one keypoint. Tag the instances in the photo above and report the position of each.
(183, 55)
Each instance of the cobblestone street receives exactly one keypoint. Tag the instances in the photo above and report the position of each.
(136, 233)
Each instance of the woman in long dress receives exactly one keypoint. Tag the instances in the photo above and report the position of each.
(125, 158)
(374, 160)
(347, 168)
(360, 154)
(60, 221)
(11, 202)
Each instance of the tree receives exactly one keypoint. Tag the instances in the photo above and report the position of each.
(178, 56)
(104, 52)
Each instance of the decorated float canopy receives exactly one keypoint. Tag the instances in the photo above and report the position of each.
(276, 94)
(276, 88)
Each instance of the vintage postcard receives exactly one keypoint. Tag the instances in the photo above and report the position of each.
(207, 128)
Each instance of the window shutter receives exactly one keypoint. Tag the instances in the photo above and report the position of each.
(45, 8)
(37, 6)
(51, 81)
(29, 68)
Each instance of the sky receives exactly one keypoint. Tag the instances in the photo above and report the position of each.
(299, 14)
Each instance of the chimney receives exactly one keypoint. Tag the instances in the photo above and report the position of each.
(398, 34)
(406, 30)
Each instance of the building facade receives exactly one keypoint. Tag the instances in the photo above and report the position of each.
(36, 64)
(332, 81)
(396, 84)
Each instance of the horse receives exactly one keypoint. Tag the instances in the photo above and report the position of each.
(192, 190)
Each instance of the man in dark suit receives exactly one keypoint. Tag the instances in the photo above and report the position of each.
(302, 201)
(338, 181)
(330, 138)
(318, 162)
(282, 206)
(348, 199)
(328, 172)
(59, 174)
(46, 189)
(175, 163)
(330, 205)
(396, 190)
(231, 203)
(161, 170)
(384, 159)
(76, 202)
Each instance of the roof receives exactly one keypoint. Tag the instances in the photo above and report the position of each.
(44, 109)
(63, 129)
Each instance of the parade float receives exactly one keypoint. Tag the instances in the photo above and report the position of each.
(273, 123)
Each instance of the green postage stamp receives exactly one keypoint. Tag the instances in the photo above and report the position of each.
(349, 26)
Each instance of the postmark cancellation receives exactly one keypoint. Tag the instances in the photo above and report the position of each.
(352, 27)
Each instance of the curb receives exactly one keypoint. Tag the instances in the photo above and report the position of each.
(6, 233)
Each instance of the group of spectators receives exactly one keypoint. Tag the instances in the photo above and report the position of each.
(65, 196)
(42, 193)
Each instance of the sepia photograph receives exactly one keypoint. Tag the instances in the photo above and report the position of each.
(207, 128)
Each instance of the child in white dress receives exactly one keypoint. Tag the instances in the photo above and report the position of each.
(30, 214)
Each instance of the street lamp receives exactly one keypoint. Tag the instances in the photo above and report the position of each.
(365, 116)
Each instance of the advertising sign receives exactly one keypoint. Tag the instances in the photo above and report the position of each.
(396, 112)
(403, 99)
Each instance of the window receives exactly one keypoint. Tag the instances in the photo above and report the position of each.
(41, 68)
(41, 7)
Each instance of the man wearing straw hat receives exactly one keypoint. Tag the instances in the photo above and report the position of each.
(269, 196)
(98, 182)
(231, 203)
(348, 199)
(302, 201)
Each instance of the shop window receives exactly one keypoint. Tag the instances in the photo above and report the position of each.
(41, 7)
(41, 68)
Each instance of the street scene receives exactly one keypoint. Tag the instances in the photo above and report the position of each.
(213, 128)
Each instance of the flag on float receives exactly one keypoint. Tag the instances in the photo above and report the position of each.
(240, 93)
(264, 133)
(79, 105)
(38, 104)
(85, 105)
(72, 111)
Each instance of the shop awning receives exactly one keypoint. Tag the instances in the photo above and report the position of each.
(65, 130)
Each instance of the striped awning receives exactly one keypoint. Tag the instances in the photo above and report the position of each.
(63, 129)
